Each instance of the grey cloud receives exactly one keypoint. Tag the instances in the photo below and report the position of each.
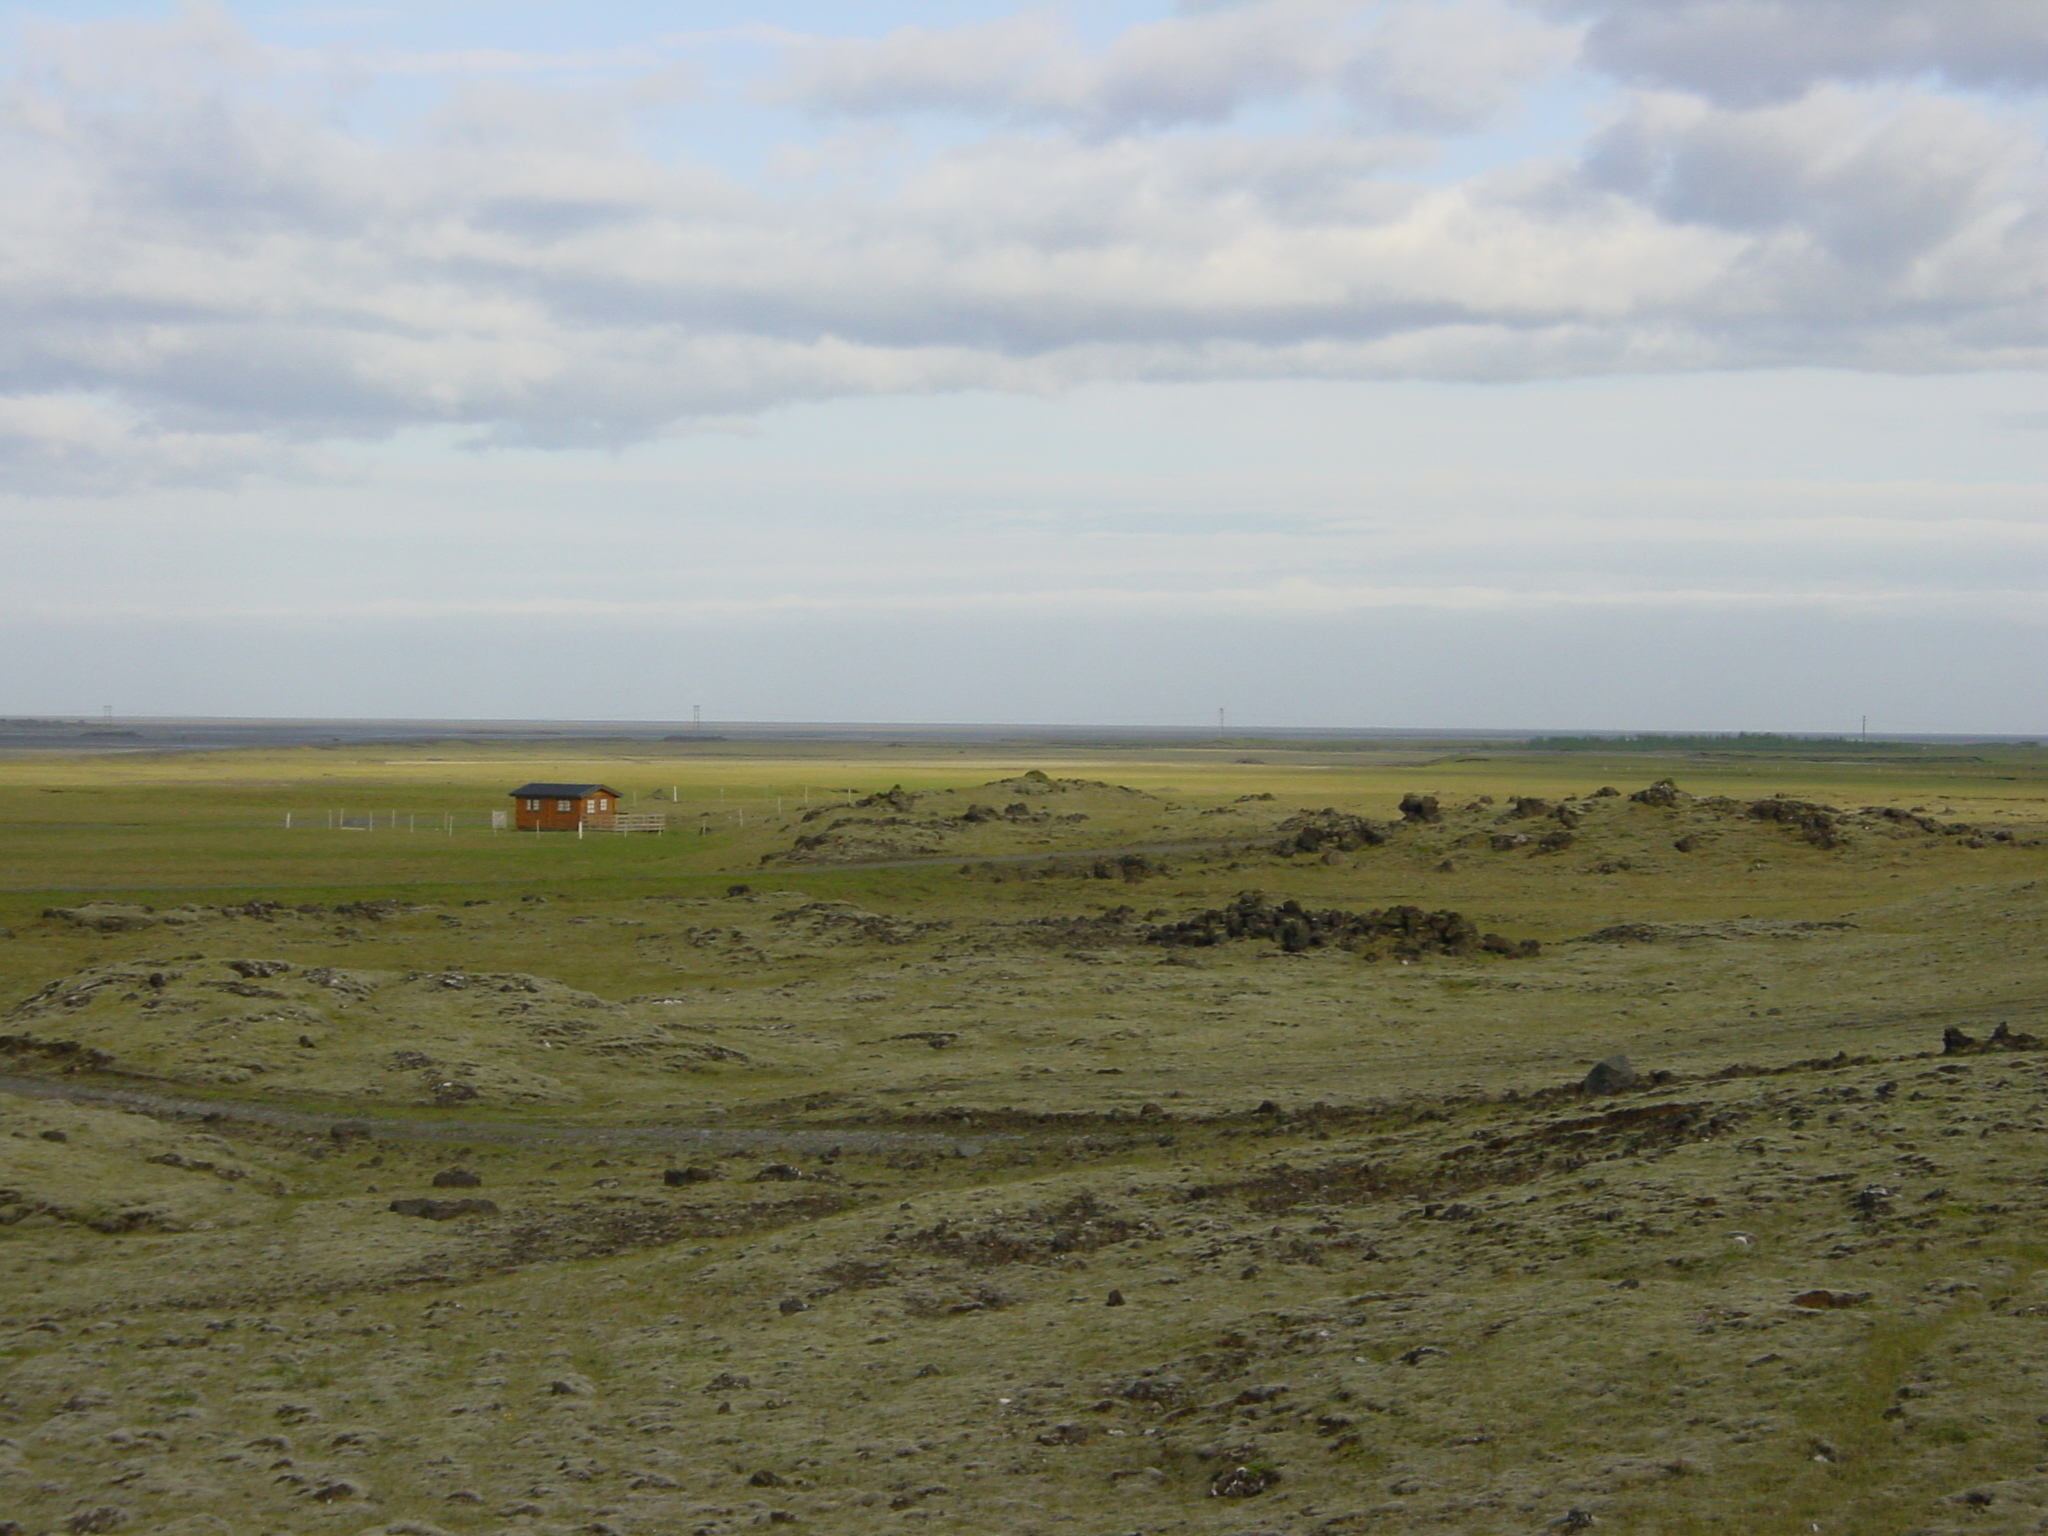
(1877, 186)
(1752, 51)
(1205, 68)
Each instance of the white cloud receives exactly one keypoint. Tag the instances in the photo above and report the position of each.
(966, 69)
(223, 259)
(1450, 66)
(1199, 68)
(1412, 63)
(67, 444)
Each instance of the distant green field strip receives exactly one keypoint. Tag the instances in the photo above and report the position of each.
(1752, 741)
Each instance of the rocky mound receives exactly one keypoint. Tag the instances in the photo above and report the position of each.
(855, 839)
(1017, 813)
(1826, 827)
(1536, 825)
(1404, 932)
(64, 1165)
(1328, 831)
(1037, 782)
(881, 826)
(438, 1037)
(844, 922)
(132, 917)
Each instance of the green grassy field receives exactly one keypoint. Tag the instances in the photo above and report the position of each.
(936, 1082)
(168, 823)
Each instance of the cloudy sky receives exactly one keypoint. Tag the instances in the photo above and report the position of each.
(1478, 363)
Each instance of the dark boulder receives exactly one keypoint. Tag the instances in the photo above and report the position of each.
(444, 1210)
(1614, 1075)
(1830, 1301)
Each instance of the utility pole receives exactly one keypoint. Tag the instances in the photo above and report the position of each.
(1220, 730)
(697, 717)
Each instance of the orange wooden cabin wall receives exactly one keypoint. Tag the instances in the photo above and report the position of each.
(548, 819)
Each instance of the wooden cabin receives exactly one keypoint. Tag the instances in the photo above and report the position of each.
(562, 807)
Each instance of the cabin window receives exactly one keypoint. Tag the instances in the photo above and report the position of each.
(533, 805)
(565, 805)
(590, 805)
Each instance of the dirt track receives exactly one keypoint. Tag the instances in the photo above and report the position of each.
(500, 1133)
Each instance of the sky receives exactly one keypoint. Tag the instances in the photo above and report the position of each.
(1539, 364)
